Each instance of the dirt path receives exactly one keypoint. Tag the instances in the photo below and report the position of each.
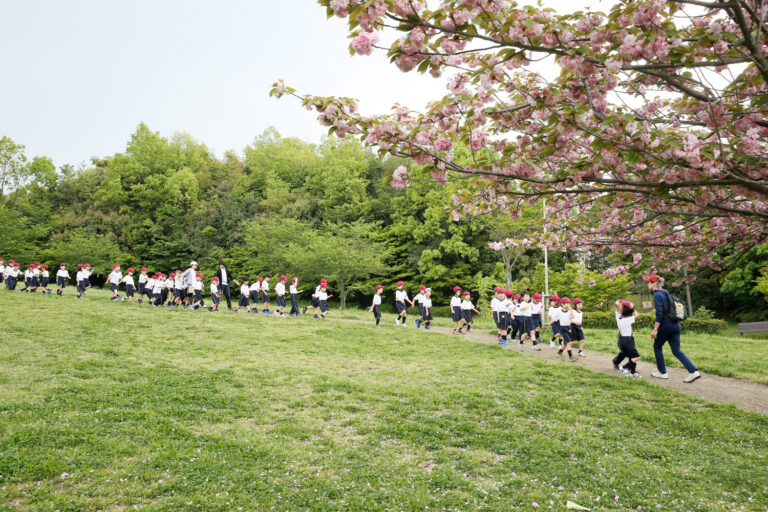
(744, 394)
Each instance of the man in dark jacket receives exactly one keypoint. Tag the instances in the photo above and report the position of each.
(225, 277)
(666, 330)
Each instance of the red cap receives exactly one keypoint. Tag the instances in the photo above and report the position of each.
(537, 296)
(400, 283)
(199, 275)
(215, 279)
(87, 264)
(16, 263)
(456, 288)
(45, 267)
(129, 270)
(379, 287)
(576, 301)
(80, 265)
(466, 293)
(294, 279)
(115, 266)
(565, 300)
(652, 277)
(517, 295)
(62, 264)
(509, 293)
(143, 269)
(625, 303)
(1, 259)
(177, 271)
(11, 261)
(422, 288)
(283, 278)
(498, 289)
(323, 281)
(554, 298)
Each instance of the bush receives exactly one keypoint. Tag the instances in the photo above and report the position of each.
(607, 320)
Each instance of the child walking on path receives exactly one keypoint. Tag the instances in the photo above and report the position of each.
(466, 309)
(456, 313)
(376, 305)
(625, 317)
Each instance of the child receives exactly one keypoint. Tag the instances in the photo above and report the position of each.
(36, 276)
(419, 299)
(322, 299)
(143, 278)
(554, 318)
(280, 294)
(28, 278)
(565, 329)
(114, 279)
(526, 322)
(466, 310)
(536, 307)
(500, 313)
(157, 290)
(255, 294)
(401, 300)
(456, 314)
(61, 279)
(625, 317)
(245, 290)
(46, 279)
(215, 294)
(86, 278)
(426, 303)
(376, 305)
(179, 288)
(315, 304)
(169, 290)
(150, 288)
(129, 284)
(294, 296)
(79, 284)
(265, 294)
(2, 270)
(577, 333)
(511, 309)
(198, 291)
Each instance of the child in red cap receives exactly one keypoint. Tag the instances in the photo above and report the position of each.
(376, 305)
(197, 290)
(62, 276)
(322, 299)
(565, 329)
(577, 333)
(294, 291)
(466, 310)
(500, 312)
(625, 317)
(456, 315)
(401, 304)
(419, 300)
(315, 304)
(114, 278)
(130, 286)
(280, 296)
(553, 314)
(143, 278)
(46, 279)
(536, 308)
(215, 294)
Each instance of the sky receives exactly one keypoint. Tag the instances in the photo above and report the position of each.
(80, 76)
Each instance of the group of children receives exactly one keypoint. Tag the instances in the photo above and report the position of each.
(517, 316)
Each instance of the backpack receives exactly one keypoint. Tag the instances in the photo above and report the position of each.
(676, 313)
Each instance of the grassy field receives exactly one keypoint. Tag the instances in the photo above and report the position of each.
(110, 406)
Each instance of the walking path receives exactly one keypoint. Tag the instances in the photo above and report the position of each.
(744, 394)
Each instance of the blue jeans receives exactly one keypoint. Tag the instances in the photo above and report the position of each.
(673, 337)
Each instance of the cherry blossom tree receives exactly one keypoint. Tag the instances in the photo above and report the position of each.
(649, 138)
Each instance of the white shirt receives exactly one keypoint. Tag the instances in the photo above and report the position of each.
(45, 274)
(625, 324)
(565, 318)
(150, 284)
(536, 308)
(115, 277)
(498, 306)
(170, 283)
(420, 298)
(426, 302)
(466, 304)
(61, 273)
(198, 285)
(265, 286)
(79, 276)
(455, 302)
(376, 299)
(513, 307)
(2, 269)
(178, 282)
(28, 274)
(244, 290)
(255, 287)
(321, 295)
(317, 290)
(224, 277)
(159, 283)
(401, 295)
(577, 316)
(280, 289)
(293, 289)
(128, 280)
(524, 309)
(36, 272)
(142, 278)
(554, 313)
(214, 289)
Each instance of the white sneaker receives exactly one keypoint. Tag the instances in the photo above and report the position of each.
(692, 377)
(582, 354)
(552, 344)
(625, 372)
(659, 375)
(397, 322)
(635, 375)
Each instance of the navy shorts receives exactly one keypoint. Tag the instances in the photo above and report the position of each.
(536, 321)
(198, 296)
(264, 297)
(323, 306)
(254, 296)
(215, 299)
(556, 327)
(627, 346)
(526, 324)
(141, 288)
(315, 302)
(427, 314)
(281, 300)
(376, 311)
(467, 315)
(86, 283)
(114, 287)
(401, 307)
(129, 289)
(45, 282)
(456, 314)
(244, 301)
(61, 281)
(179, 293)
(421, 309)
(502, 319)
(35, 282)
(565, 332)
(577, 333)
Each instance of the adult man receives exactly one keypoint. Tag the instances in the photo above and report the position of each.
(225, 277)
(666, 330)
(189, 281)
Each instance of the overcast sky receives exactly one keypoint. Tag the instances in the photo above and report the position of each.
(79, 76)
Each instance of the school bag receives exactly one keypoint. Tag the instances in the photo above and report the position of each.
(676, 312)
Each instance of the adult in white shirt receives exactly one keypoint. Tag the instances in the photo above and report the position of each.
(225, 276)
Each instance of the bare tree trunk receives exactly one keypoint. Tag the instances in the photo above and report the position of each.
(342, 294)
(506, 256)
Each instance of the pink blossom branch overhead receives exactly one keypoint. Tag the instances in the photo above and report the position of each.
(652, 137)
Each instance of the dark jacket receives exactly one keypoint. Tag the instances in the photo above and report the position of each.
(663, 304)
(230, 279)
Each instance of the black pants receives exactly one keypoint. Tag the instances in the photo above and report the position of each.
(226, 293)
(627, 349)
(294, 304)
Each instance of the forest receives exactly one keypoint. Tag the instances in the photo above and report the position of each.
(283, 205)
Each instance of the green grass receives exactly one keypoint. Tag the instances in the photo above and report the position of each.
(110, 406)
